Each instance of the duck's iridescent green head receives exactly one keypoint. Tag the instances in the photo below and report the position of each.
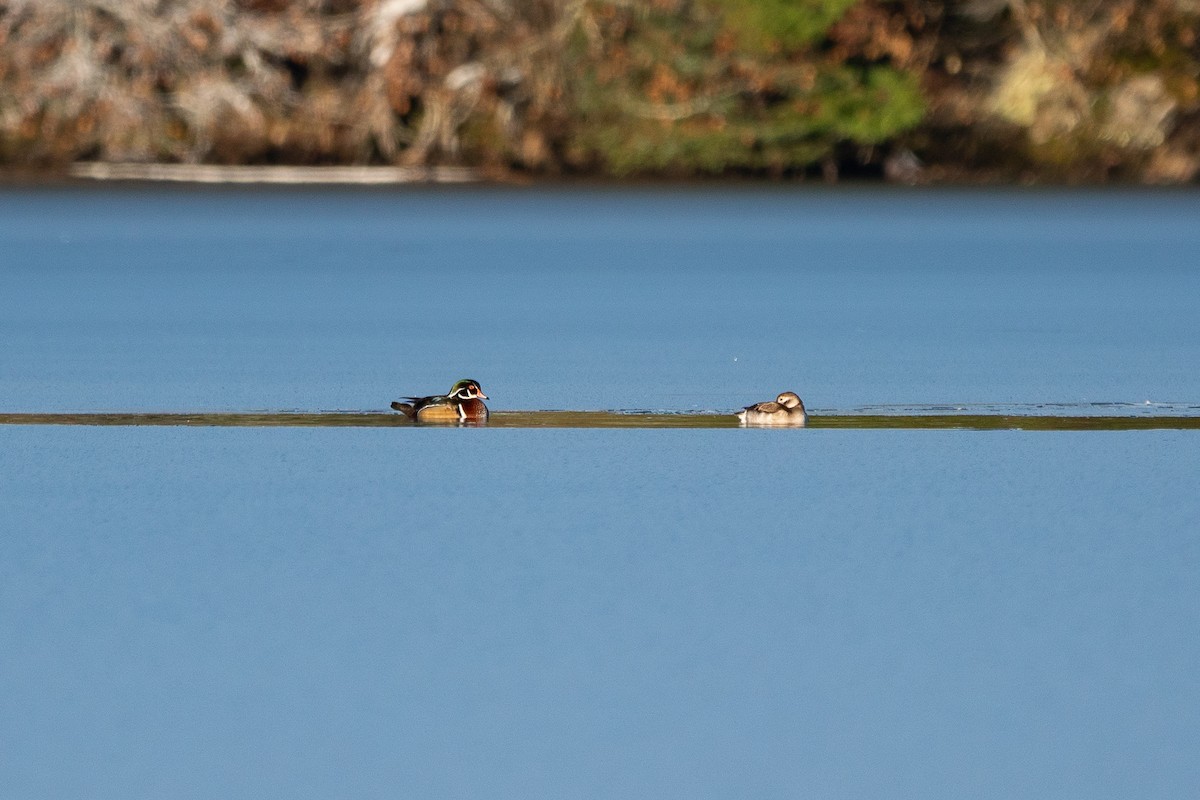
(467, 389)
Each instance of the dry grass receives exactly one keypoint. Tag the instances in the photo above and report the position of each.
(255, 81)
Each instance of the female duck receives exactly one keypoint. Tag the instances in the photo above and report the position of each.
(786, 409)
(463, 403)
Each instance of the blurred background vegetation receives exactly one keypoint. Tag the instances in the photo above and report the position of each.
(911, 90)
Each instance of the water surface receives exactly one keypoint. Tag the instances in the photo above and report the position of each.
(928, 420)
(315, 612)
(226, 572)
(213, 300)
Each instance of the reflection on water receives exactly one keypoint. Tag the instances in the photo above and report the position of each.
(944, 418)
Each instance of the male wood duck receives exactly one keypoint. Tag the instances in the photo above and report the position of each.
(463, 403)
(787, 409)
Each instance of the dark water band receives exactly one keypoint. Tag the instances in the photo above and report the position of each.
(616, 419)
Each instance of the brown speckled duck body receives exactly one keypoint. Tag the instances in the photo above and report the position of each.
(786, 409)
(463, 404)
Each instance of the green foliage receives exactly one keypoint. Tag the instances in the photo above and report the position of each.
(765, 26)
(866, 107)
(869, 106)
(672, 99)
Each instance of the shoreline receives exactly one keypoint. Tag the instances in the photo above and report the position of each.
(96, 173)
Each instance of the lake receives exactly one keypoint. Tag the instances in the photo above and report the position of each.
(587, 612)
(703, 300)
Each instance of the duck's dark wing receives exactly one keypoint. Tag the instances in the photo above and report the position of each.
(409, 406)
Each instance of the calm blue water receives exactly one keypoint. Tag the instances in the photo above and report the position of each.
(567, 299)
(443, 613)
(774, 614)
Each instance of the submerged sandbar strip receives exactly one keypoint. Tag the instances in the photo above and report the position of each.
(611, 419)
